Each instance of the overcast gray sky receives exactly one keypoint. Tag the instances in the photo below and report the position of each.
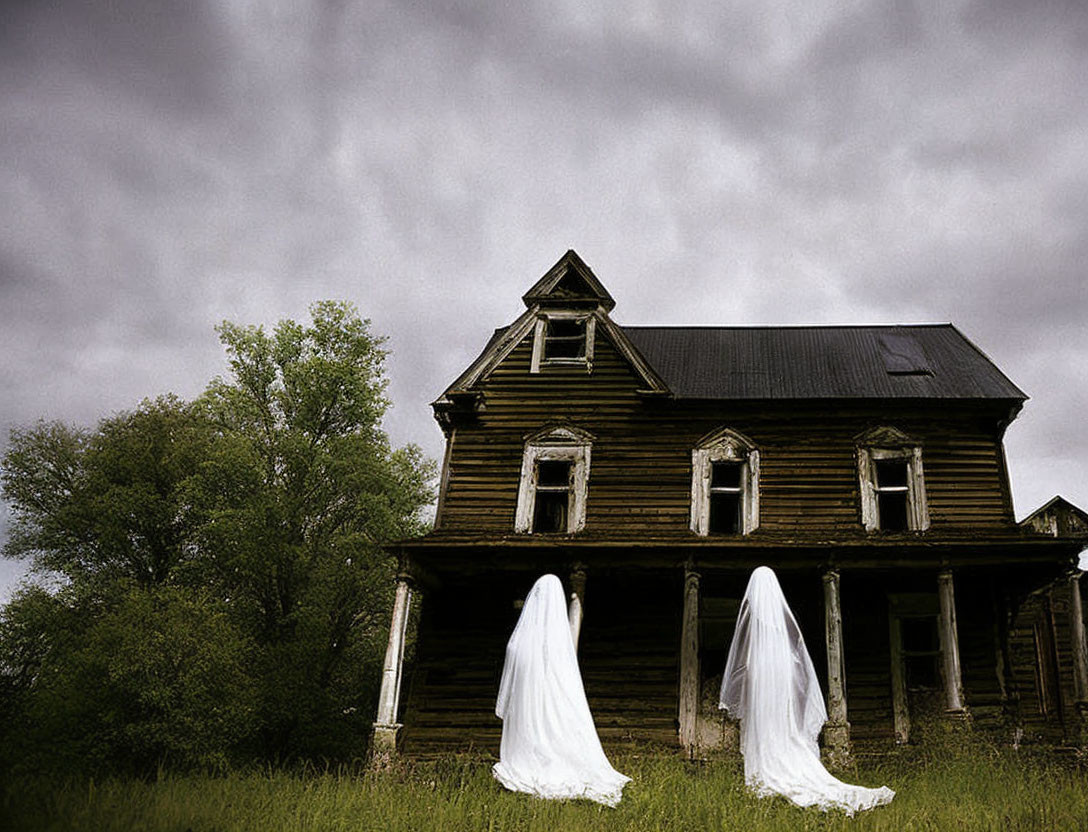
(167, 165)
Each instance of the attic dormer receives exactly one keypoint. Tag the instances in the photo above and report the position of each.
(566, 302)
(569, 284)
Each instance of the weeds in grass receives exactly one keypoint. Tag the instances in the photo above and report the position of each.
(952, 787)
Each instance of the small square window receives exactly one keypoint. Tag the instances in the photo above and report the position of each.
(725, 475)
(565, 338)
(553, 473)
(891, 473)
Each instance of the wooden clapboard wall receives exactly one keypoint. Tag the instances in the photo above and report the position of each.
(628, 655)
(640, 478)
(1040, 643)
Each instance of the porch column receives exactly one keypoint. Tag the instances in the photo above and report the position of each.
(689, 660)
(386, 726)
(1079, 645)
(837, 730)
(577, 601)
(950, 646)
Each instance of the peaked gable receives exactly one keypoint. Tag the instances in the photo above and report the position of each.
(505, 340)
(570, 282)
(1059, 518)
(568, 285)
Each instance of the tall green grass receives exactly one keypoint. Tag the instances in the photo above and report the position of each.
(999, 791)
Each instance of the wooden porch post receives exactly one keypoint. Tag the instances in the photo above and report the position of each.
(837, 730)
(689, 660)
(950, 646)
(1079, 645)
(386, 726)
(577, 601)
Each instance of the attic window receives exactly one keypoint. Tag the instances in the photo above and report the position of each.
(903, 355)
(563, 338)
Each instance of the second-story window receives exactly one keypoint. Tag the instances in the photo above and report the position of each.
(891, 481)
(892, 494)
(551, 508)
(726, 498)
(563, 338)
(724, 485)
(554, 482)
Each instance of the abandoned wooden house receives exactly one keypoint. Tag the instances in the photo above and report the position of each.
(652, 468)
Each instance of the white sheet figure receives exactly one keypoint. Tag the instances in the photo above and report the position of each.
(770, 686)
(549, 744)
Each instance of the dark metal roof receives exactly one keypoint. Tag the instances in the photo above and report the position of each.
(821, 362)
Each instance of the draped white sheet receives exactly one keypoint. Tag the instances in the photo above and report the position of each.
(770, 686)
(549, 744)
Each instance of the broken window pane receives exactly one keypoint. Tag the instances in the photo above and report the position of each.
(565, 338)
(725, 475)
(550, 512)
(725, 516)
(891, 473)
(553, 473)
(893, 511)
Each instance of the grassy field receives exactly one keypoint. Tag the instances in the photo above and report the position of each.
(995, 791)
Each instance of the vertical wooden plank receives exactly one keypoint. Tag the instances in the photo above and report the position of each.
(1079, 641)
(386, 725)
(900, 710)
(444, 482)
(538, 345)
(837, 730)
(689, 660)
(950, 647)
(577, 601)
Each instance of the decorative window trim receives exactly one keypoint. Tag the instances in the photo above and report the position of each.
(555, 443)
(724, 445)
(889, 443)
(540, 332)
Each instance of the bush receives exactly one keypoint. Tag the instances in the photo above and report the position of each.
(161, 678)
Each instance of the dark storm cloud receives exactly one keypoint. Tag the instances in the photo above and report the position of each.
(169, 53)
(169, 165)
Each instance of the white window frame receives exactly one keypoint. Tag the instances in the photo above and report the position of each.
(555, 443)
(725, 445)
(890, 443)
(540, 333)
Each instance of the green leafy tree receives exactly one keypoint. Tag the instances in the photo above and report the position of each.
(302, 490)
(105, 505)
(252, 519)
(160, 678)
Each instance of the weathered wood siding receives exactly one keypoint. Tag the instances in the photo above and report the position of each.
(640, 478)
(630, 648)
(1040, 642)
(627, 653)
